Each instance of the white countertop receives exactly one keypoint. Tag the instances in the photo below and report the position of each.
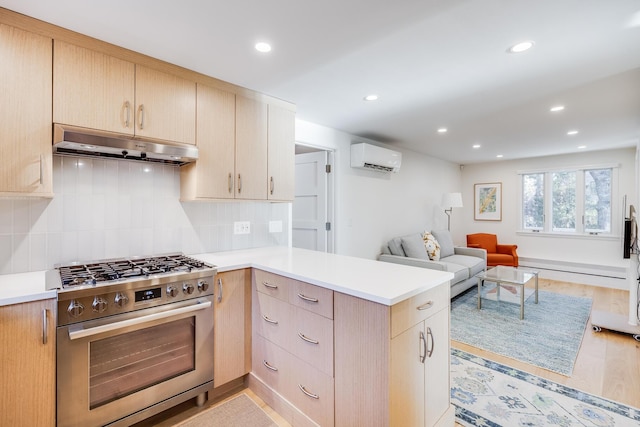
(381, 282)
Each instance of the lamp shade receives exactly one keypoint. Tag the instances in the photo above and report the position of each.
(452, 200)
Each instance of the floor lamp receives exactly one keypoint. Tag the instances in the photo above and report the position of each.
(450, 201)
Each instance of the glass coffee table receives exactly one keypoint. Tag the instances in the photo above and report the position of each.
(508, 276)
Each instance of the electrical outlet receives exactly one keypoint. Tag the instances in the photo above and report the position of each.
(241, 227)
(275, 226)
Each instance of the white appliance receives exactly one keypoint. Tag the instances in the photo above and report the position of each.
(372, 157)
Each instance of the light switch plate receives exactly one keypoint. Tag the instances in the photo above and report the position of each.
(241, 227)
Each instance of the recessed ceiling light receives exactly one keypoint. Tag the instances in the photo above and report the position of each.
(263, 47)
(556, 108)
(499, 156)
(371, 97)
(476, 145)
(520, 47)
(572, 132)
(442, 130)
(580, 147)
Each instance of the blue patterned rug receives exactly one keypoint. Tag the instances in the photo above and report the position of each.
(489, 394)
(549, 336)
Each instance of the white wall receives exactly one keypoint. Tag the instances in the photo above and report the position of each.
(584, 251)
(372, 207)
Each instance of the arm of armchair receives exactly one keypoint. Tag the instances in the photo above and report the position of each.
(509, 250)
(414, 262)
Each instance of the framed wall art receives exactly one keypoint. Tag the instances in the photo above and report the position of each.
(487, 202)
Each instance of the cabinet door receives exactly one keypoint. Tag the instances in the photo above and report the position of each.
(212, 176)
(231, 348)
(92, 90)
(281, 145)
(25, 109)
(408, 399)
(251, 149)
(28, 368)
(165, 106)
(437, 388)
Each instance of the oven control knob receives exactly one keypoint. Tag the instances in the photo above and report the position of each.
(99, 304)
(172, 291)
(75, 308)
(203, 285)
(188, 288)
(121, 299)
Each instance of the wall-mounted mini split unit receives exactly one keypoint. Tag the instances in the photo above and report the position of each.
(371, 157)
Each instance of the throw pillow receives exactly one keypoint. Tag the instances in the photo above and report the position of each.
(432, 246)
(413, 246)
(446, 242)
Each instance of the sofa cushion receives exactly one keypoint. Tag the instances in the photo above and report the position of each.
(446, 242)
(474, 264)
(432, 246)
(460, 272)
(413, 246)
(395, 247)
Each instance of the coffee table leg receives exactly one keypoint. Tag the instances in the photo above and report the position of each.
(479, 290)
(536, 277)
(522, 303)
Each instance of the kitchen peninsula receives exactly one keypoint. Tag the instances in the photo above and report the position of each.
(388, 360)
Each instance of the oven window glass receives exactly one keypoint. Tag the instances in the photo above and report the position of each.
(129, 362)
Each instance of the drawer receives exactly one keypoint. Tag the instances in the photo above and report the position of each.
(310, 297)
(312, 339)
(312, 392)
(414, 310)
(271, 318)
(271, 284)
(272, 365)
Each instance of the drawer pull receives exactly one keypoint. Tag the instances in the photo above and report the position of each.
(314, 396)
(301, 335)
(269, 285)
(306, 298)
(427, 305)
(275, 322)
(266, 365)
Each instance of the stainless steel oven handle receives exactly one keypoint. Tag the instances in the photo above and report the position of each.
(83, 333)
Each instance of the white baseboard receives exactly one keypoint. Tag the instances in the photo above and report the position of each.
(588, 274)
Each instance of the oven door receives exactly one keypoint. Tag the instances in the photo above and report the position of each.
(111, 368)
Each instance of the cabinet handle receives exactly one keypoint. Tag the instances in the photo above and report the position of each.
(430, 335)
(427, 305)
(269, 285)
(230, 183)
(275, 322)
(45, 327)
(306, 298)
(219, 290)
(313, 396)
(239, 184)
(141, 111)
(301, 335)
(271, 186)
(127, 119)
(266, 365)
(424, 347)
(41, 170)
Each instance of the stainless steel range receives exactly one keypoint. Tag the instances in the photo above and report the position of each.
(134, 337)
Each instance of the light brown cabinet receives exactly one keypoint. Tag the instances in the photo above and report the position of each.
(232, 326)
(251, 149)
(97, 91)
(25, 108)
(28, 368)
(281, 153)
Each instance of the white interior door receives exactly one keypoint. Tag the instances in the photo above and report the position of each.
(310, 213)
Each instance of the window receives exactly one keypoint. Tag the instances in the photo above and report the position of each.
(574, 201)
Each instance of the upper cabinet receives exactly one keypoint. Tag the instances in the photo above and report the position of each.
(251, 149)
(25, 108)
(98, 91)
(281, 146)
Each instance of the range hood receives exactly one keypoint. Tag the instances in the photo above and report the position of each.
(75, 141)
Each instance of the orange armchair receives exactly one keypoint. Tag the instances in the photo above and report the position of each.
(496, 254)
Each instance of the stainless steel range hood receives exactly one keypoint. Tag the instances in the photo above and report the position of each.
(75, 141)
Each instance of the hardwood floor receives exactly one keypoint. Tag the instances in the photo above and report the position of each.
(608, 363)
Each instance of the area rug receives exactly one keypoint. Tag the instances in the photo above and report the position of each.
(549, 336)
(240, 411)
(489, 394)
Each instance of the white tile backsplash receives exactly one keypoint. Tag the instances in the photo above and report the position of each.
(109, 209)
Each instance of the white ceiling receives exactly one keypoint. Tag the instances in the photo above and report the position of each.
(432, 63)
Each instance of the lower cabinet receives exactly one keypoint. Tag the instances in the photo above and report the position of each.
(28, 368)
(232, 326)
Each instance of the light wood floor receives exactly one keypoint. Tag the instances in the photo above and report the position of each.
(608, 363)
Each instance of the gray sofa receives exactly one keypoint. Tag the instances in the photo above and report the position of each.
(463, 262)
